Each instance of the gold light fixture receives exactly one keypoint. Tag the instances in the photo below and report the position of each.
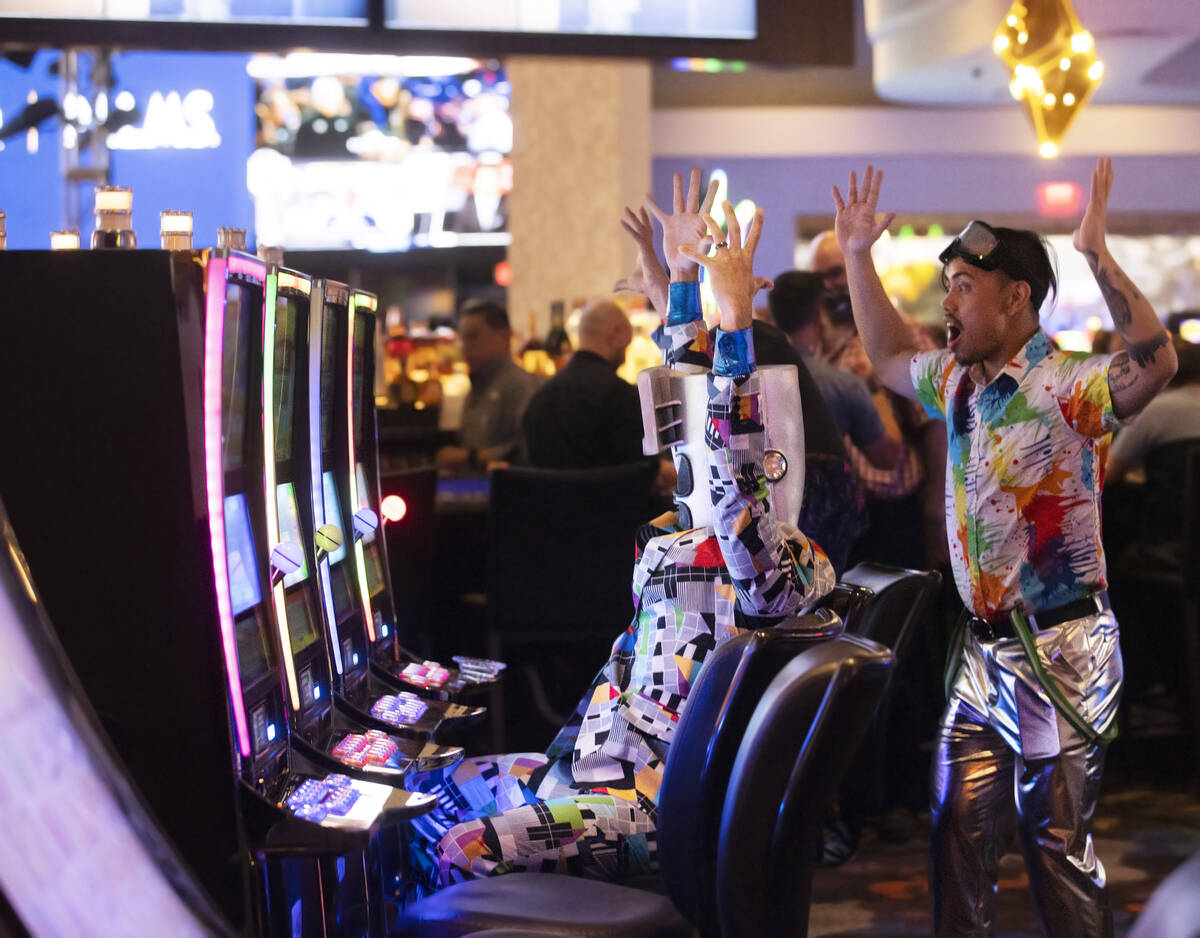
(1054, 65)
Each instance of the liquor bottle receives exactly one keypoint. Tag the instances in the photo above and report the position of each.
(232, 238)
(175, 230)
(114, 219)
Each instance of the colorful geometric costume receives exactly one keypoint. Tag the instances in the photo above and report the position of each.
(1025, 463)
(588, 804)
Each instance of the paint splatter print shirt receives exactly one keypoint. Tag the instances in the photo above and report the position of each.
(1024, 473)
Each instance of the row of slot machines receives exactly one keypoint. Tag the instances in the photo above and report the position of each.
(190, 466)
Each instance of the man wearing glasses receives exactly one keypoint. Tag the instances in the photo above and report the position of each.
(1031, 704)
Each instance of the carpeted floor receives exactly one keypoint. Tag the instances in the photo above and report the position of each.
(1147, 823)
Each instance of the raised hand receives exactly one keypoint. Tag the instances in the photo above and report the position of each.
(648, 276)
(731, 268)
(1089, 236)
(857, 225)
(685, 225)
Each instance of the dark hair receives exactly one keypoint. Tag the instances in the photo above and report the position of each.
(795, 299)
(1026, 256)
(494, 315)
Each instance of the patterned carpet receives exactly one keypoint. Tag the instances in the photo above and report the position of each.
(1145, 827)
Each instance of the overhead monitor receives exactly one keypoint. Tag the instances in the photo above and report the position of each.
(693, 19)
(299, 12)
(380, 152)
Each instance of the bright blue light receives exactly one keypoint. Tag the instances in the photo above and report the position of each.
(316, 692)
(384, 631)
(270, 732)
(681, 65)
(355, 658)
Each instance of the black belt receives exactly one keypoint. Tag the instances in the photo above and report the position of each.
(1000, 627)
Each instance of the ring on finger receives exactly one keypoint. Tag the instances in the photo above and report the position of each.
(721, 244)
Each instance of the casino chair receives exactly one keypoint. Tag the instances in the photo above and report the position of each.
(790, 757)
(560, 563)
(884, 604)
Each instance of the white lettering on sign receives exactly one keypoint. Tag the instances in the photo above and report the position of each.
(172, 122)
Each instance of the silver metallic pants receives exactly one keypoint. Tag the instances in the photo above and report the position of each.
(1007, 763)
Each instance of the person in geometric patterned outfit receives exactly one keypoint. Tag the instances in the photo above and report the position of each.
(587, 806)
(1020, 750)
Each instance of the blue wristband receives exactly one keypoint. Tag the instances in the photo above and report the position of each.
(735, 353)
(684, 304)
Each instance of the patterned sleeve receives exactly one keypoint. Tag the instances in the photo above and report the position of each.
(1083, 393)
(930, 371)
(772, 576)
(683, 339)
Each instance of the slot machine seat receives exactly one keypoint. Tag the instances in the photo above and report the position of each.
(890, 602)
(830, 686)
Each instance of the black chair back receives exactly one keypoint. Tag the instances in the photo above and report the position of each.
(410, 553)
(847, 602)
(561, 549)
(719, 708)
(796, 749)
(900, 598)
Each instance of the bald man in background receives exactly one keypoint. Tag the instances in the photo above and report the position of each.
(586, 416)
(837, 317)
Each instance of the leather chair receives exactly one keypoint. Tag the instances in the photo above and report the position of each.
(560, 563)
(831, 684)
(847, 602)
(894, 606)
(798, 746)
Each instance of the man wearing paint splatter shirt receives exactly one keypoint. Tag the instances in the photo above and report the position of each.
(1022, 742)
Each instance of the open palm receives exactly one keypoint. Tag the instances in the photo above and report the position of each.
(857, 223)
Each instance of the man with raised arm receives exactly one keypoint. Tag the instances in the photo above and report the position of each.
(588, 805)
(1030, 702)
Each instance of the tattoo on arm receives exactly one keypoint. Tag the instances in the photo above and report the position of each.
(1115, 297)
(1121, 374)
(1143, 353)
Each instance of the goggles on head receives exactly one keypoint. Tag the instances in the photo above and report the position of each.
(976, 244)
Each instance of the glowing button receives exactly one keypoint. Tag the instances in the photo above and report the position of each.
(384, 631)
(270, 732)
(394, 508)
(316, 692)
(355, 658)
(774, 465)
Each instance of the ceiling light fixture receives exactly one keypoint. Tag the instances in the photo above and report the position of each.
(1054, 65)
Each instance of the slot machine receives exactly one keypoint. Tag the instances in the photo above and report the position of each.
(321, 730)
(131, 462)
(362, 490)
(346, 581)
(82, 856)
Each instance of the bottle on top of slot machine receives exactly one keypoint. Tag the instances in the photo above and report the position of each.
(175, 230)
(114, 218)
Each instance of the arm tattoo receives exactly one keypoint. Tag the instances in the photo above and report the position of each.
(1121, 374)
(1114, 297)
(1143, 353)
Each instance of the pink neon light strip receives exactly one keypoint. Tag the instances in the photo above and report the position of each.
(214, 475)
(368, 616)
(246, 267)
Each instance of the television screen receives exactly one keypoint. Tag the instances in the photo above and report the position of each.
(244, 588)
(296, 12)
(710, 19)
(235, 373)
(289, 530)
(284, 391)
(378, 152)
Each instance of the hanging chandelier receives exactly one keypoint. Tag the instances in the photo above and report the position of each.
(1053, 63)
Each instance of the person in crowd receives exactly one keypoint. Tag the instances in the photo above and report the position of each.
(588, 805)
(586, 415)
(500, 391)
(837, 320)
(1021, 744)
(795, 306)
(833, 513)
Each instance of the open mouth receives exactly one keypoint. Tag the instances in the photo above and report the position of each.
(953, 331)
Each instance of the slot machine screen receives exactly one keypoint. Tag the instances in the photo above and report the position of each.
(253, 660)
(289, 530)
(328, 376)
(244, 587)
(364, 496)
(360, 376)
(302, 631)
(338, 583)
(284, 391)
(235, 373)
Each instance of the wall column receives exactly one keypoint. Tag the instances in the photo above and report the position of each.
(581, 153)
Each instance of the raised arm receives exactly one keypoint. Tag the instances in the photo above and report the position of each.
(1149, 359)
(885, 336)
(648, 277)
